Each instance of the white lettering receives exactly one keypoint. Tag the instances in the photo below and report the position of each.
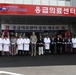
(59, 10)
(66, 10)
(52, 10)
(44, 9)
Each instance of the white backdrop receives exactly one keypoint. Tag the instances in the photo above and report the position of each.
(34, 27)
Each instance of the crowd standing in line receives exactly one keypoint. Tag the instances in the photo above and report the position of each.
(36, 45)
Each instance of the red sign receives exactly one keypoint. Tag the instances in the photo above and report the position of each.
(20, 9)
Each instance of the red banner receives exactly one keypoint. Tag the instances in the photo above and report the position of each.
(20, 9)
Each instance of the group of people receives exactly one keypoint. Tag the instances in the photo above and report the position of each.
(36, 45)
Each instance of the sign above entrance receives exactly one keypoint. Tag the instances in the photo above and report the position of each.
(34, 27)
(42, 10)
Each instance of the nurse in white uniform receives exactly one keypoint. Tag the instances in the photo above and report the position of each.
(6, 44)
(47, 44)
(26, 45)
(20, 45)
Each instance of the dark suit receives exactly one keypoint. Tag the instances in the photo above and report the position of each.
(58, 45)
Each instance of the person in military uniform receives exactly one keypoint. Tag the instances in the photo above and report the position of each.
(58, 44)
(53, 43)
(69, 45)
(63, 45)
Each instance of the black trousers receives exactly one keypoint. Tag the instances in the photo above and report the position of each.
(58, 48)
(26, 53)
(63, 48)
(74, 50)
(20, 52)
(6, 53)
(52, 48)
(69, 48)
(0, 53)
(47, 51)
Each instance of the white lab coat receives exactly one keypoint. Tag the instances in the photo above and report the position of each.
(1, 42)
(20, 43)
(26, 44)
(47, 43)
(74, 42)
(6, 44)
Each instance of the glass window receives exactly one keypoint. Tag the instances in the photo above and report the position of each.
(36, 1)
(44, 2)
(18, 1)
(68, 3)
(67, 0)
(61, 3)
(9, 1)
(61, 0)
(73, 3)
(53, 2)
(27, 1)
(2, 1)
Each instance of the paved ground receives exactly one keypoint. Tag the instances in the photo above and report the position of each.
(40, 65)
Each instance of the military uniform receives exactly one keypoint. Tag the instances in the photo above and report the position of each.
(53, 45)
(58, 45)
(63, 45)
(69, 45)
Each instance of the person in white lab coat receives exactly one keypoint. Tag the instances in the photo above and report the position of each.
(26, 45)
(6, 45)
(20, 45)
(74, 44)
(1, 42)
(47, 42)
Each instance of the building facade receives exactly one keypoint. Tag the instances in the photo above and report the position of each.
(43, 2)
(14, 19)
